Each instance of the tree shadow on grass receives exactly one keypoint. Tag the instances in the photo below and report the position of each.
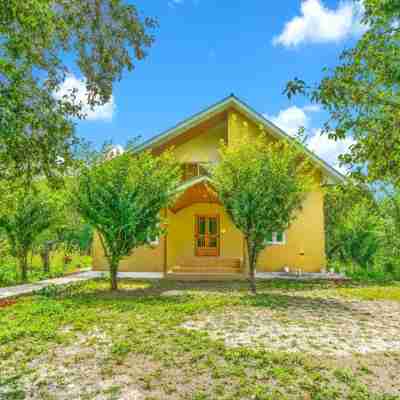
(275, 295)
(280, 301)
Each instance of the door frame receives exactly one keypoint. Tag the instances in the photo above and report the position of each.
(196, 234)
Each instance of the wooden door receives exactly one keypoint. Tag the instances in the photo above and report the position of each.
(207, 235)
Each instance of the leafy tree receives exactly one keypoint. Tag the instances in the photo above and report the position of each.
(122, 199)
(41, 40)
(68, 232)
(25, 216)
(362, 95)
(341, 206)
(389, 211)
(262, 186)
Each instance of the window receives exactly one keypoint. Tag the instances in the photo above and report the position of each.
(192, 170)
(276, 238)
(154, 242)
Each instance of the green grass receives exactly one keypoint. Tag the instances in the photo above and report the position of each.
(161, 359)
(9, 272)
(383, 292)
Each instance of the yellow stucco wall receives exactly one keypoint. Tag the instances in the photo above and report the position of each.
(202, 148)
(239, 125)
(305, 236)
(143, 259)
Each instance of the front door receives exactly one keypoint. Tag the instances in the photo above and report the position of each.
(207, 235)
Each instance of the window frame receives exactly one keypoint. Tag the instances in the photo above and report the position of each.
(275, 241)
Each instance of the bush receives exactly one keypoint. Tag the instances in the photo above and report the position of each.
(378, 271)
(8, 274)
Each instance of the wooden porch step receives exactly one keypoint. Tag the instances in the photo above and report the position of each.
(205, 276)
(211, 262)
(205, 269)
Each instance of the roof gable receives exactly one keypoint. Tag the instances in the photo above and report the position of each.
(218, 109)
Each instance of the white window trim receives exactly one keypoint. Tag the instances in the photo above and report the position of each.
(155, 242)
(275, 241)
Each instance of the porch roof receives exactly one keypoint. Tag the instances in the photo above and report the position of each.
(196, 190)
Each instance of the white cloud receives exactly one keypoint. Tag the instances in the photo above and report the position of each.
(174, 3)
(292, 118)
(318, 24)
(312, 108)
(104, 112)
(329, 149)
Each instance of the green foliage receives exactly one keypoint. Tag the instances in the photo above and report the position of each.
(352, 224)
(362, 234)
(25, 216)
(77, 237)
(262, 186)
(122, 199)
(9, 271)
(101, 38)
(362, 95)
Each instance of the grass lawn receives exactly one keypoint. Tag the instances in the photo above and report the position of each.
(168, 340)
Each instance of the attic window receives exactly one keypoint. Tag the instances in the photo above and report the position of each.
(192, 170)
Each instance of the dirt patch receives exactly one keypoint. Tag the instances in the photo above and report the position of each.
(359, 335)
(338, 327)
(6, 303)
(78, 370)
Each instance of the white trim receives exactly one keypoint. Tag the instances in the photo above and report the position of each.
(192, 182)
(155, 242)
(158, 140)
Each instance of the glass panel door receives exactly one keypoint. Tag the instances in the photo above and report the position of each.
(207, 235)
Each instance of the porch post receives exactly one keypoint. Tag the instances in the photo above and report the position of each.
(165, 267)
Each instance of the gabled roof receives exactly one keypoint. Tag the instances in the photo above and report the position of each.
(233, 102)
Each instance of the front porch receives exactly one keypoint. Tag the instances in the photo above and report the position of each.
(207, 268)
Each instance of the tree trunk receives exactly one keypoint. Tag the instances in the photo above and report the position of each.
(23, 265)
(252, 260)
(113, 275)
(45, 255)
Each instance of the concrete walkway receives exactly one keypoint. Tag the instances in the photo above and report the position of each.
(20, 290)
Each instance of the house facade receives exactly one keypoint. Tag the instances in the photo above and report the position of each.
(201, 239)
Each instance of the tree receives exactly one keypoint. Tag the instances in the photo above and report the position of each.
(389, 211)
(123, 198)
(262, 186)
(41, 42)
(24, 217)
(362, 95)
(345, 207)
(67, 232)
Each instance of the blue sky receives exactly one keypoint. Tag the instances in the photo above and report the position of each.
(207, 49)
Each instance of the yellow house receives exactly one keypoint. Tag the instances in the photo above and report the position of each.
(201, 240)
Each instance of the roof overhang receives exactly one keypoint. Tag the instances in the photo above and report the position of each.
(196, 190)
(332, 176)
